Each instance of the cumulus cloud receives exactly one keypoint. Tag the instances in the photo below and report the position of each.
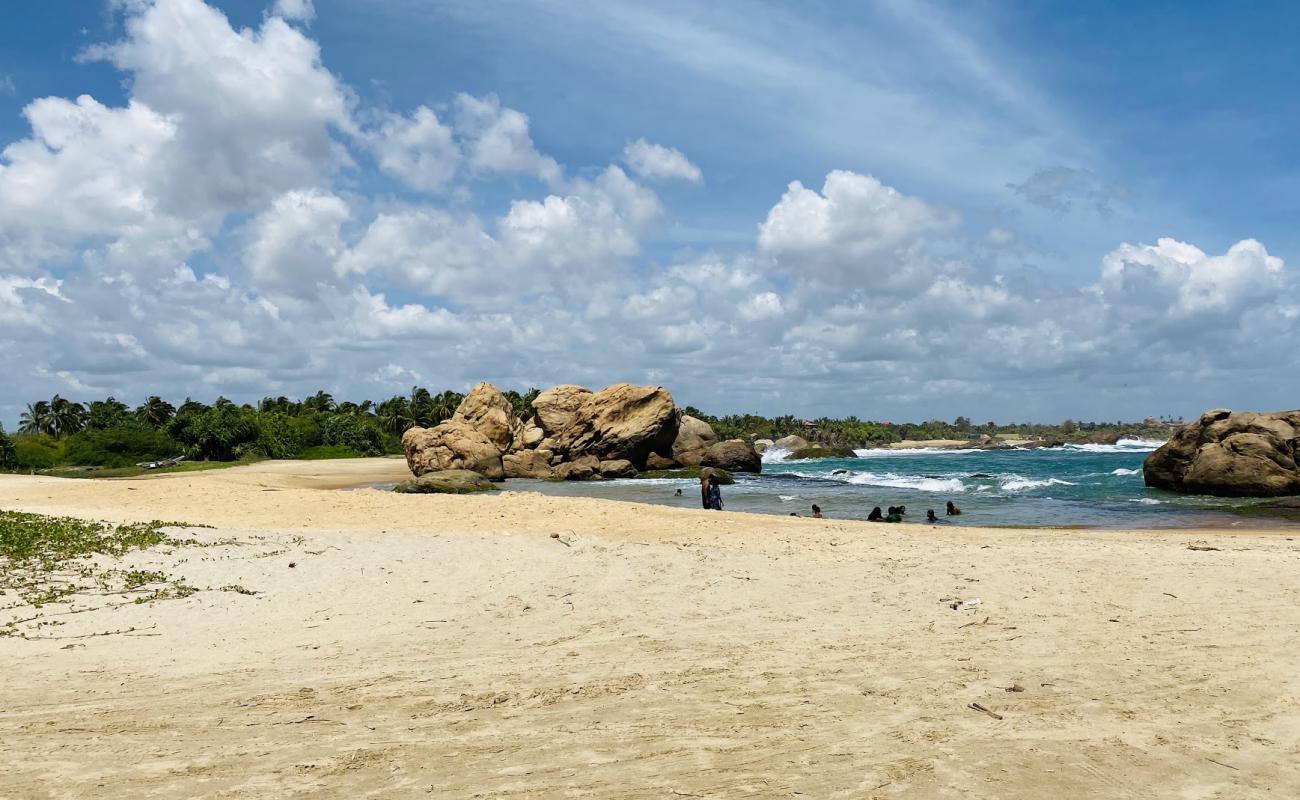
(296, 10)
(656, 162)
(418, 150)
(213, 233)
(498, 140)
(856, 228)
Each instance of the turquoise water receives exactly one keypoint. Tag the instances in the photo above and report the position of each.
(1087, 485)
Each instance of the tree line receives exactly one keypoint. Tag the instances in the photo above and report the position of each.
(109, 433)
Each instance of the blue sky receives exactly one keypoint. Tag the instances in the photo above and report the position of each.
(1030, 211)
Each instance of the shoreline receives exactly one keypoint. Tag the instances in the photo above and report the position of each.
(530, 646)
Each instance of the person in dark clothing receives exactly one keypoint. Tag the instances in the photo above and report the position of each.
(875, 515)
(704, 491)
(714, 494)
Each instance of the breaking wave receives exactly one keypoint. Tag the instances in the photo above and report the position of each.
(918, 482)
(1122, 446)
(1016, 483)
(1122, 471)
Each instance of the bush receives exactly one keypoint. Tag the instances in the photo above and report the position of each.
(351, 431)
(8, 456)
(221, 433)
(118, 447)
(276, 436)
(39, 451)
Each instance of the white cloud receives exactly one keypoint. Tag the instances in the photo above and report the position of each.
(213, 234)
(498, 140)
(764, 305)
(856, 228)
(419, 150)
(294, 244)
(294, 10)
(656, 162)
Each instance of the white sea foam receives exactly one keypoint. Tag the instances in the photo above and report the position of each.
(1147, 501)
(1122, 446)
(1016, 483)
(1122, 471)
(918, 482)
(787, 498)
(774, 454)
(872, 452)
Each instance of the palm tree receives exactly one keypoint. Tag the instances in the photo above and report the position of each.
(69, 417)
(36, 419)
(155, 411)
(322, 401)
(395, 415)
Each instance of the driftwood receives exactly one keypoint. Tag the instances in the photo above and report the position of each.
(982, 709)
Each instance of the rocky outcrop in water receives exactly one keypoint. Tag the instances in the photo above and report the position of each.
(450, 481)
(1230, 454)
(572, 433)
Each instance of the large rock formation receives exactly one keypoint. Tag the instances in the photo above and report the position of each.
(622, 422)
(489, 412)
(452, 445)
(1231, 454)
(733, 455)
(557, 408)
(790, 443)
(693, 434)
(573, 434)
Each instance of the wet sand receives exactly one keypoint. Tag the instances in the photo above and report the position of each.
(431, 646)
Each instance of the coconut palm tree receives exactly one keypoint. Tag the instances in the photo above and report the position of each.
(36, 419)
(395, 415)
(155, 411)
(69, 417)
(322, 401)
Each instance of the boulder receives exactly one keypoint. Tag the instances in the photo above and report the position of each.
(736, 455)
(527, 464)
(449, 481)
(489, 412)
(692, 434)
(1230, 454)
(452, 445)
(621, 422)
(689, 458)
(763, 445)
(790, 443)
(656, 461)
(530, 436)
(617, 468)
(724, 477)
(822, 451)
(557, 407)
(582, 469)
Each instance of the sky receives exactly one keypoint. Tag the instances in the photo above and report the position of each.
(897, 210)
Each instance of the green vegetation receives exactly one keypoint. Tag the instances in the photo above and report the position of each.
(46, 560)
(107, 438)
(852, 432)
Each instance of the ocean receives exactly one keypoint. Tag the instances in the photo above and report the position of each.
(1095, 486)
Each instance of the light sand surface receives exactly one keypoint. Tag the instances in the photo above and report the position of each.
(432, 646)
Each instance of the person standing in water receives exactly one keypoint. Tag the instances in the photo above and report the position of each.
(953, 510)
(817, 511)
(714, 496)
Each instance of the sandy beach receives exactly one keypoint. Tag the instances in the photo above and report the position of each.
(404, 646)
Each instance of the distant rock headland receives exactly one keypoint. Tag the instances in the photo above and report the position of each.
(1230, 454)
(573, 433)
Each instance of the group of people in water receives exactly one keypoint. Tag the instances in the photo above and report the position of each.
(711, 497)
(896, 513)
